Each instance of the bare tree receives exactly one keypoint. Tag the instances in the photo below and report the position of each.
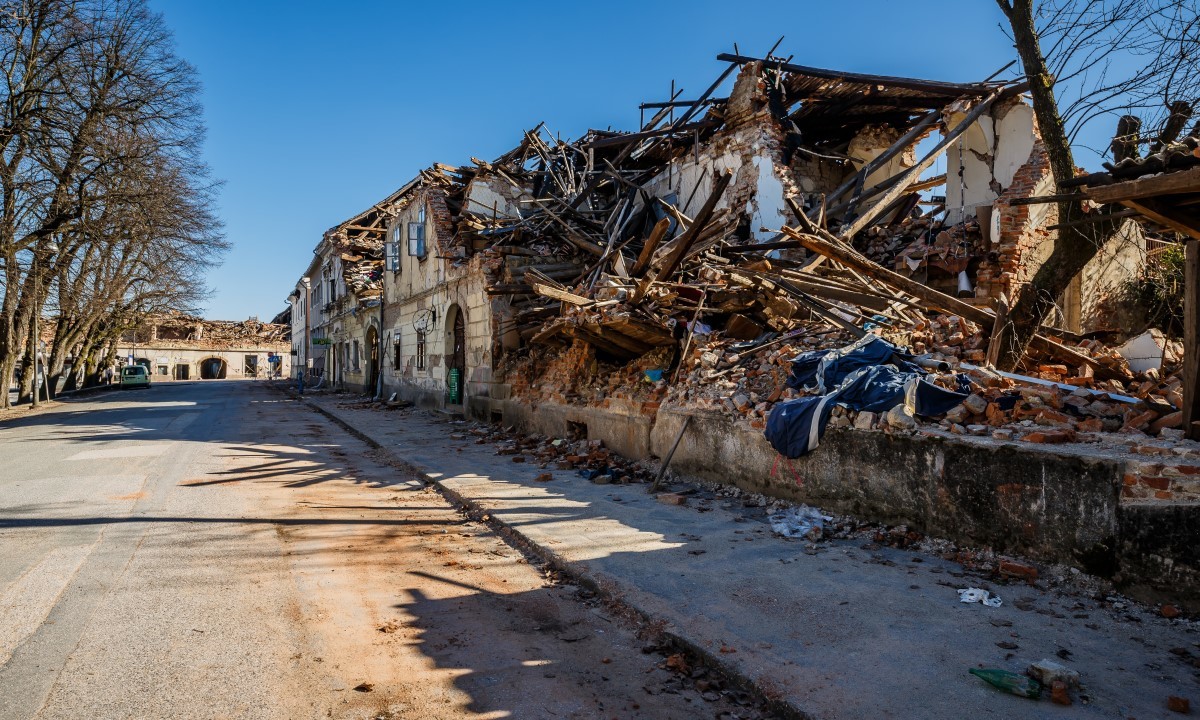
(98, 121)
(1087, 60)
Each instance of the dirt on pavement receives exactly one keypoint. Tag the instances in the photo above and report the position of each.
(411, 610)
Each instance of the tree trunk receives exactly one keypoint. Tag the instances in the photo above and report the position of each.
(1072, 248)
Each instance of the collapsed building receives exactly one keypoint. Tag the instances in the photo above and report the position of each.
(176, 346)
(655, 290)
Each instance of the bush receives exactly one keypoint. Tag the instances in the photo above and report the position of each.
(1158, 292)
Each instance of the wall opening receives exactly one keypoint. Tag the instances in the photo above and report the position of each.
(213, 369)
(372, 359)
(456, 355)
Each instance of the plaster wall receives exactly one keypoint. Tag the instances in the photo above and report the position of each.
(870, 144)
(989, 154)
(172, 355)
(420, 298)
(761, 180)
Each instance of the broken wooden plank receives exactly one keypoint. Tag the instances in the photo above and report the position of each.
(656, 236)
(1185, 181)
(940, 300)
(562, 295)
(901, 185)
(684, 242)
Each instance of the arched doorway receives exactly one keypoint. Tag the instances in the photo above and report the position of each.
(213, 368)
(456, 355)
(372, 353)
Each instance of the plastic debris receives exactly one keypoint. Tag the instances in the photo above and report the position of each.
(803, 521)
(1010, 682)
(977, 595)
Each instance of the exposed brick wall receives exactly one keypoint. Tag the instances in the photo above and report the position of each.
(1022, 229)
(1162, 479)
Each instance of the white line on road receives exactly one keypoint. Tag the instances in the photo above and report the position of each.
(122, 452)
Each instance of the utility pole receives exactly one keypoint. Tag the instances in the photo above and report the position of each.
(37, 311)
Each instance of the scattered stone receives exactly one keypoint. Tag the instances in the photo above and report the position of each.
(1179, 704)
(899, 418)
(1048, 672)
(544, 477)
(1169, 611)
(958, 413)
(672, 499)
(975, 404)
(865, 420)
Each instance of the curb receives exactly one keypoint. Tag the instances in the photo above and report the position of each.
(607, 589)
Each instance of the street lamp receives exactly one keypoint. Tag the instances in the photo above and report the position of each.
(50, 248)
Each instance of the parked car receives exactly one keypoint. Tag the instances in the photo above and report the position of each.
(135, 376)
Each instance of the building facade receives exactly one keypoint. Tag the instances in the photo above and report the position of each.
(180, 347)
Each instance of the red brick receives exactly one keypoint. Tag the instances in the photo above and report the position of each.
(1141, 421)
(1157, 483)
(1049, 437)
(1130, 480)
(1018, 570)
(1164, 495)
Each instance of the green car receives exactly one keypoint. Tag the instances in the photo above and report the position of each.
(134, 376)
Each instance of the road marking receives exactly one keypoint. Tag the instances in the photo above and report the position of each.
(122, 452)
(182, 421)
(25, 603)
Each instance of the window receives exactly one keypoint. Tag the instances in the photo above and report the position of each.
(354, 356)
(416, 235)
(397, 359)
(392, 251)
(420, 349)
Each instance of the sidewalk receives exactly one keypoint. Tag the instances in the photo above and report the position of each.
(835, 629)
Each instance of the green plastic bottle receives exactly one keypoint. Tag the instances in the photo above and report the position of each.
(1011, 682)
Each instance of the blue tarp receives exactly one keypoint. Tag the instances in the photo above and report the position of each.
(867, 375)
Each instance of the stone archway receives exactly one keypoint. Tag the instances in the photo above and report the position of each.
(213, 368)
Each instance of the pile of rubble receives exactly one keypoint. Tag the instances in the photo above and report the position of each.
(179, 328)
(625, 287)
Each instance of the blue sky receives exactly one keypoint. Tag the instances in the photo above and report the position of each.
(317, 110)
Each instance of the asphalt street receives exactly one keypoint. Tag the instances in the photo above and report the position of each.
(120, 587)
(215, 550)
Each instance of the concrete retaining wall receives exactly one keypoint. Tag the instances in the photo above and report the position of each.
(1052, 506)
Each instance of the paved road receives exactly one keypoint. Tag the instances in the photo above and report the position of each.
(213, 550)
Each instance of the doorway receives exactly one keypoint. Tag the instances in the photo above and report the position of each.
(182, 371)
(456, 354)
(372, 374)
(213, 369)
